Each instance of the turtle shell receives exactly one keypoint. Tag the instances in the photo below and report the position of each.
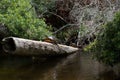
(50, 39)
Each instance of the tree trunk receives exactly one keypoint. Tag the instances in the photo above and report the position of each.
(25, 47)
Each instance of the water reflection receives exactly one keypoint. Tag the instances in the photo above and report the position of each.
(74, 67)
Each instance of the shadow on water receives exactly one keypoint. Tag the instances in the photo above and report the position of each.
(74, 67)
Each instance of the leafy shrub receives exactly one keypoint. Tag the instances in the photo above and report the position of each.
(107, 47)
(20, 18)
(43, 6)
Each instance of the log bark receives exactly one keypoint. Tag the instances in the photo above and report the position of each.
(25, 47)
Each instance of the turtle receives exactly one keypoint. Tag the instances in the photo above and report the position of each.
(50, 39)
(53, 40)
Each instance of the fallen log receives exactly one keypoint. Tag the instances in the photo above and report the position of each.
(25, 47)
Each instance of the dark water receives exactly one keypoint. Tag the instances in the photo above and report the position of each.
(73, 67)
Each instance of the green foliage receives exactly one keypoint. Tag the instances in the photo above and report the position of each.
(66, 34)
(44, 5)
(82, 31)
(20, 18)
(107, 47)
(90, 46)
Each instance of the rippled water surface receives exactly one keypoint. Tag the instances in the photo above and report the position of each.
(73, 67)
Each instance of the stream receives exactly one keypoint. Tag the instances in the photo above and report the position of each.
(78, 66)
